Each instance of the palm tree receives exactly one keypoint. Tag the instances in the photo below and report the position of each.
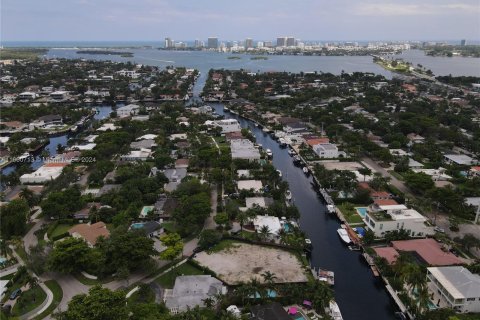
(264, 232)
(365, 172)
(269, 277)
(28, 195)
(209, 303)
(242, 219)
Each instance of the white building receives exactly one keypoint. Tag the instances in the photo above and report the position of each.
(45, 173)
(255, 185)
(244, 149)
(128, 73)
(27, 95)
(326, 150)
(383, 219)
(460, 159)
(454, 287)
(137, 155)
(128, 110)
(59, 95)
(227, 125)
(272, 223)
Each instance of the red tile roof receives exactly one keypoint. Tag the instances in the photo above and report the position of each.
(385, 202)
(313, 142)
(429, 250)
(91, 232)
(389, 253)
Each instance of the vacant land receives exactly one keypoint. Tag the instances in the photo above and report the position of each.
(240, 262)
(342, 165)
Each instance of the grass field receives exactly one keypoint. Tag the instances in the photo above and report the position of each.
(29, 300)
(60, 229)
(350, 213)
(21, 53)
(168, 279)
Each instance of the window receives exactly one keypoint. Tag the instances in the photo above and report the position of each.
(381, 226)
(470, 299)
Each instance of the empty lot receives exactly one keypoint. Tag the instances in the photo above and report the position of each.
(241, 262)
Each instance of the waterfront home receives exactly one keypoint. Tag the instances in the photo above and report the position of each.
(149, 228)
(454, 288)
(384, 217)
(244, 149)
(191, 291)
(48, 120)
(427, 251)
(47, 172)
(326, 150)
(128, 110)
(272, 223)
(107, 127)
(90, 232)
(227, 125)
(262, 202)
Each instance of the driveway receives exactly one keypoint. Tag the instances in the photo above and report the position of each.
(393, 181)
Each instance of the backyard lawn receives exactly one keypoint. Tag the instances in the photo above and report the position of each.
(168, 279)
(350, 213)
(60, 229)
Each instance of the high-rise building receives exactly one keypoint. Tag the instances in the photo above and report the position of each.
(248, 43)
(281, 41)
(169, 43)
(198, 43)
(212, 43)
(268, 44)
(463, 42)
(290, 42)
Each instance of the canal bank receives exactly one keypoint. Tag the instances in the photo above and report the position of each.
(359, 294)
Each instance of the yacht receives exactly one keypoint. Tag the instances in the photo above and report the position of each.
(282, 142)
(290, 152)
(331, 208)
(306, 171)
(269, 153)
(344, 235)
(334, 310)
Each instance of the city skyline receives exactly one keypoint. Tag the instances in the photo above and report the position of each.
(147, 20)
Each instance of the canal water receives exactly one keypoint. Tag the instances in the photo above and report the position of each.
(358, 293)
(53, 142)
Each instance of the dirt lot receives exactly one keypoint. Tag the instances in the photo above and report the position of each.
(242, 262)
(342, 165)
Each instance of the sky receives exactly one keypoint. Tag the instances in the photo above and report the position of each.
(153, 20)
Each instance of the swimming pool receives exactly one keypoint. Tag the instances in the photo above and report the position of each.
(137, 225)
(287, 227)
(362, 211)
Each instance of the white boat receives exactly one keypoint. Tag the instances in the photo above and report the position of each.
(288, 195)
(334, 310)
(23, 157)
(279, 173)
(282, 142)
(331, 208)
(186, 98)
(305, 170)
(269, 153)
(290, 152)
(344, 235)
(326, 276)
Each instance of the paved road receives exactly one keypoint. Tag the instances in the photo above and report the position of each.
(69, 285)
(30, 239)
(393, 181)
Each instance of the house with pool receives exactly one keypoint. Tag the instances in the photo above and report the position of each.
(383, 217)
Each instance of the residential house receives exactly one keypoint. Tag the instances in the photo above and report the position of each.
(272, 223)
(254, 185)
(454, 288)
(47, 172)
(326, 150)
(244, 149)
(90, 232)
(27, 95)
(149, 228)
(459, 159)
(227, 125)
(174, 177)
(128, 110)
(137, 155)
(273, 311)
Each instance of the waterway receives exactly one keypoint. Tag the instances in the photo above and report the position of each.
(205, 60)
(358, 293)
(55, 141)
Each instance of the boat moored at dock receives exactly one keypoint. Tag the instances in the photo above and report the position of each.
(344, 235)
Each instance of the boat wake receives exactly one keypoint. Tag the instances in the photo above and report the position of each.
(167, 61)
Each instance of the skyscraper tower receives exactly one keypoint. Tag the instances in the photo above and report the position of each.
(281, 41)
(212, 43)
(290, 42)
(169, 43)
(248, 43)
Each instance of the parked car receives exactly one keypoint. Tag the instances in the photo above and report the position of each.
(15, 294)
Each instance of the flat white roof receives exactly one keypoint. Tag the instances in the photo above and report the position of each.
(256, 185)
(458, 281)
(273, 223)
